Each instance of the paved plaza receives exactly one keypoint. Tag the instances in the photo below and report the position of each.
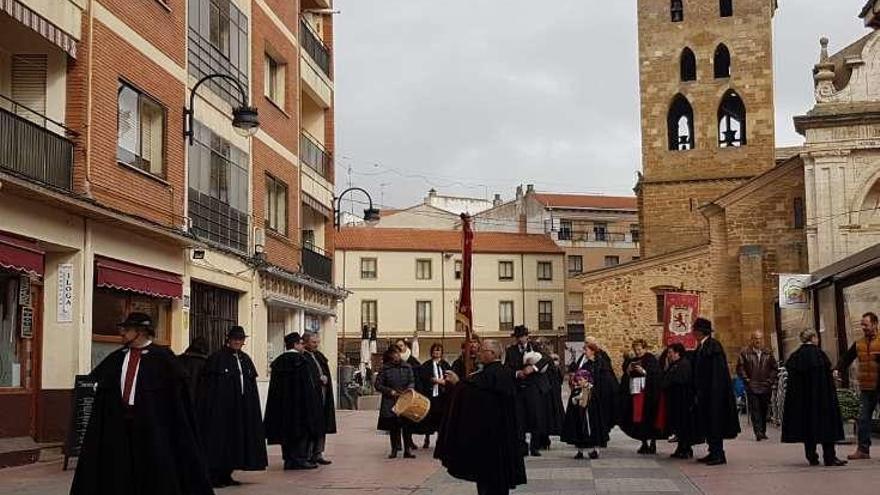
(360, 467)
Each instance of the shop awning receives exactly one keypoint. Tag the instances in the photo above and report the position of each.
(40, 24)
(119, 275)
(21, 255)
(861, 262)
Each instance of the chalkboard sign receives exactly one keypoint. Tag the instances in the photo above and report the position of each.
(84, 389)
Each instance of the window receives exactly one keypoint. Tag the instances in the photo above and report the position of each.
(505, 316)
(16, 358)
(370, 314)
(309, 239)
(213, 311)
(276, 205)
(545, 270)
(726, 8)
(800, 217)
(612, 260)
(218, 43)
(218, 190)
(600, 231)
(688, 65)
(505, 270)
(423, 269)
(731, 121)
(575, 265)
(722, 62)
(274, 80)
(661, 307)
(458, 268)
(680, 124)
(29, 76)
(635, 233)
(564, 230)
(140, 129)
(677, 10)
(545, 315)
(369, 268)
(423, 316)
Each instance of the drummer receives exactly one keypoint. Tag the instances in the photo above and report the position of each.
(395, 378)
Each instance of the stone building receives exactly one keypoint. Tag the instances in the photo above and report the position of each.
(719, 216)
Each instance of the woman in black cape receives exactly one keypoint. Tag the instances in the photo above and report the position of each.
(431, 382)
(395, 378)
(812, 414)
(587, 427)
(605, 390)
(639, 397)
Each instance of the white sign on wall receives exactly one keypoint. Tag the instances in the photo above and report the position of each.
(65, 293)
(792, 291)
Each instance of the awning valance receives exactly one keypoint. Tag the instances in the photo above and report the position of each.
(21, 255)
(40, 24)
(317, 206)
(113, 274)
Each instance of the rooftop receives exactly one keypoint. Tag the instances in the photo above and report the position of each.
(553, 200)
(439, 241)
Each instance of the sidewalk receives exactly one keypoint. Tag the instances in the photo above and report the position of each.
(360, 467)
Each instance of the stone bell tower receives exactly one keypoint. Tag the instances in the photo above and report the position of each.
(706, 78)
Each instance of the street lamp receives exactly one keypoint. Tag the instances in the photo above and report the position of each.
(371, 214)
(245, 120)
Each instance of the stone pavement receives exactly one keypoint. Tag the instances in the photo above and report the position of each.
(360, 467)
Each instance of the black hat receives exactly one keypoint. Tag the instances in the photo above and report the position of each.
(236, 332)
(520, 331)
(292, 339)
(703, 326)
(137, 320)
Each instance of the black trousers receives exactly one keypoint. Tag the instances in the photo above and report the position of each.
(398, 433)
(829, 453)
(489, 489)
(759, 408)
(316, 447)
(297, 450)
(716, 447)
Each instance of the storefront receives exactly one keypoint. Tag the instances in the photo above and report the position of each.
(841, 293)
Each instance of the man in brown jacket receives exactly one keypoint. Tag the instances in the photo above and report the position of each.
(866, 351)
(758, 368)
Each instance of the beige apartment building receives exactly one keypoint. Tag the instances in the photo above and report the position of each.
(406, 283)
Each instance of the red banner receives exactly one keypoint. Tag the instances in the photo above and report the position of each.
(464, 316)
(679, 313)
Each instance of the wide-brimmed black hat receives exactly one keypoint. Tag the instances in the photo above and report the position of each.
(520, 331)
(137, 320)
(292, 338)
(236, 332)
(703, 326)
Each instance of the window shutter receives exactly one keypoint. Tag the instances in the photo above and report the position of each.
(29, 85)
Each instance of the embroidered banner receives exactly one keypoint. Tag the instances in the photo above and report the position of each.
(679, 313)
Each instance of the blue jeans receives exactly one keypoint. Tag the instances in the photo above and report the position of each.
(868, 401)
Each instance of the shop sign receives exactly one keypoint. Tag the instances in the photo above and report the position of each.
(793, 292)
(65, 293)
(27, 322)
(24, 291)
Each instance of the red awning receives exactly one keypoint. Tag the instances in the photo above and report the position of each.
(120, 275)
(21, 255)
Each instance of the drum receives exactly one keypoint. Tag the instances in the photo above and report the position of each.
(412, 406)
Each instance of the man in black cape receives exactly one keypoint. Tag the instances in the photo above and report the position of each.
(293, 406)
(193, 360)
(716, 414)
(677, 389)
(532, 389)
(470, 351)
(141, 438)
(229, 413)
(812, 414)
(321, 377)
(478, 438)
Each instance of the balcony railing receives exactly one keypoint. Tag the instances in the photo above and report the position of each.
(314, 155)
(596, 236)
(313, 45)
(316, 265)
(28, 148)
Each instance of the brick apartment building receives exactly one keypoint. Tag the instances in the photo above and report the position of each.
(106, 207)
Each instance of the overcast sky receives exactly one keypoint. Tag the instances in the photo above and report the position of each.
(473, 97)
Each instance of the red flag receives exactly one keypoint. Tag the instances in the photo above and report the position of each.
(679, 313)
(464, 315)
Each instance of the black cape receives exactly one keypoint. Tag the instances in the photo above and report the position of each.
(531, 394)
(231, 421)
(555, 411)
(159, 453)
(478, 437)
(328, 404)
(646, 429)
(424, 386)
(812, 412)
(590, 428)
(716, 405)
(606, 386)
(192, 363)
(678, 399)
(293, 408)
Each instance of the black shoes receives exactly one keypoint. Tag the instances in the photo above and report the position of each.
(393, 454)
(427, 444)
(594, 455)
(579, 455)
(535, 453)
(408, 455)
(299, 465)
(643, 449)
(683, 454)
(834, 462)
(647, 449)
(716, 461)
(322, 461)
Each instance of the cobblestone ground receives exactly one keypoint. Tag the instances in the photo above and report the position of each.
(360, 467)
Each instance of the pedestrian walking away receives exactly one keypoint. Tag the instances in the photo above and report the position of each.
(758, 369)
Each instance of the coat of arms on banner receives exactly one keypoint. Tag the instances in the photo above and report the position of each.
(680, 311)
(680, 320)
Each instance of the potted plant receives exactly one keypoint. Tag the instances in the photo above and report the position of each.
(849, 410)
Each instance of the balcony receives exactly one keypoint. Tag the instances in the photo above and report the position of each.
(30, 149)
(314, 47)
(596, 238)
(316, 265)
(314, 155)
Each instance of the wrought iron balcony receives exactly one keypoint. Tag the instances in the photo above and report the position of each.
(313, 45)
(314, 155)
(316, 265)
(30, 149)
